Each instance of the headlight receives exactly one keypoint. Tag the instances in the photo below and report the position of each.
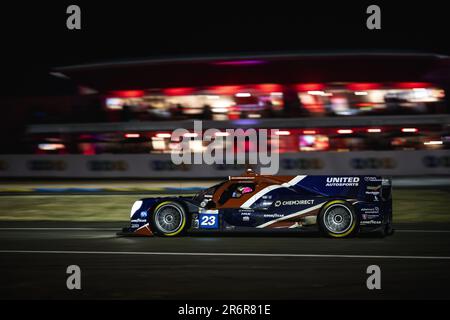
(136, 206)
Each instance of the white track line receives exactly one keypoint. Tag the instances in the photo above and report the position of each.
(422, 231)
(118, 229)
(62, 229)
(219, 254)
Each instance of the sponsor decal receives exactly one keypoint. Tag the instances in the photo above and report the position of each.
(246, 218)
(342, 182)
(138, 220)
(209, 220)
(208, 211)
(370, 210)
(143, 214)
(365, 216)
(292, 202)
(273, 215)
(371, 222)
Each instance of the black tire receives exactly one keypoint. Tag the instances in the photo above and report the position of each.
(169, 219)
(337, 219)
(389, 229)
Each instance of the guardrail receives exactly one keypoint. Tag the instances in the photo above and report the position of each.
(275, 123)
(391, 163)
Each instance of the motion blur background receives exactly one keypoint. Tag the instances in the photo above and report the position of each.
(86, 121)
(93, 110)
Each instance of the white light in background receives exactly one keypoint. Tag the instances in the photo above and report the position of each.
(114, 103)
(374, 130)
(282, 133)
(243, 94)
(222, 134)
(158, 143)
(345, 131)
(361, 93)
(190, 135)
(196, 146)
(132, 135)
(163, 135)
(409, 130)
(433, 142)
(50, 146)
(316, 93)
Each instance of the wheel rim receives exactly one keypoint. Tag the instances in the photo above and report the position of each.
(169, 218)
(338, 218)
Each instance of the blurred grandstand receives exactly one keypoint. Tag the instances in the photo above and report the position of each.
(341, 114)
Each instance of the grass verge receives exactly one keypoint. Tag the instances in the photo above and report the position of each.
(410, 205)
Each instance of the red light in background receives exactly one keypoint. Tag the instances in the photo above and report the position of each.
(412, 85)
(269, 87)
(127, 93)
(225, 90)
(310, 87)
(178, 91)
(361, 86)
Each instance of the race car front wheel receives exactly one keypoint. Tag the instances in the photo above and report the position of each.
(337, 219)
(168, 219)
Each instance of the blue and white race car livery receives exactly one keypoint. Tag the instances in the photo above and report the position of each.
(337, 206)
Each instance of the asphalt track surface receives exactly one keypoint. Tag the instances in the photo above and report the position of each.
(414, 262)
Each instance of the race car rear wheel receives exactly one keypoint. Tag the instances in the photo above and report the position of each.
(337, 219)
(169, 219)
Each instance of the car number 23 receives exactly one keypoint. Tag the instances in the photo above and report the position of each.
(209, 221)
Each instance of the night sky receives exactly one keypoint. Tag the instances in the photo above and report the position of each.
(35, 39)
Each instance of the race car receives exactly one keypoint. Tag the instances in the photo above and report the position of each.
(337, 206)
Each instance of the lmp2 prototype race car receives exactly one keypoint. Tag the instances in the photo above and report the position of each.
(337, 206)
